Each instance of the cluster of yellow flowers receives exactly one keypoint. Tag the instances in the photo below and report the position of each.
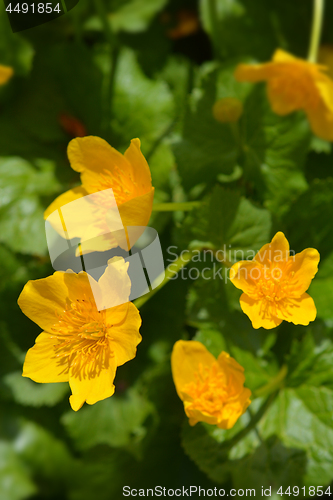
(84, 346)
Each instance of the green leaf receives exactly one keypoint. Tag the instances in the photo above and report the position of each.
(207, 147)
(212, 339)
(29, 393)
(134, 16)
(15, 50)
(134, 114)
(117, 421)
(240, 28)
(302, 419)
(235, 227)
(46, 456)
(21, 213)
(275, 150)
(309, 219)
(15, 483)
(310, 362)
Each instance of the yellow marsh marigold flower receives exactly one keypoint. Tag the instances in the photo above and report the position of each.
(6, 72)
(103, 167)
(294, 84)
(274, 284)
(212, 389)
(227, 110)
(80, 344)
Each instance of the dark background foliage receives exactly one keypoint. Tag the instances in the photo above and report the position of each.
(127, 68)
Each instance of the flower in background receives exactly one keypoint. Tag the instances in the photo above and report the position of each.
(80, 344)
(212, 389)
(186, 23)
(274, 284)
(103, 167)
(72, 126)
(6, 72)
(294, 84)
(227, 110)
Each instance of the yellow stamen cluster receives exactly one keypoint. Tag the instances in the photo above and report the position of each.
(274, 286)
(208, 391)
(83, 337)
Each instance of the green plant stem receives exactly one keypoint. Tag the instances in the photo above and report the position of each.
(317, 23)
(172, 207)
(170, 271)
(213, 17)
(114, 53)
(252, 424)
(270, 391)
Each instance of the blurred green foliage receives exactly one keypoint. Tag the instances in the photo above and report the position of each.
(125, 75)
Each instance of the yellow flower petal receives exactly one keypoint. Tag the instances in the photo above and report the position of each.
(79, 286)
(137, 211)
(92, 383)
(234, 410)
(321, 120)
(141, 170)
(280, 103)
(230, 365)
(125, 334)
(135, 214)
(41, 363)
(6, 72)
(42, 299)
(303, 269)
(253, 73)
(275, 251)
(63, 199)
(260, 312)
(299, 311)
(101, 243)
(282, 56)
(115, 284)
(92, 156)
(244, 275)
(196, 416)
(185, 359)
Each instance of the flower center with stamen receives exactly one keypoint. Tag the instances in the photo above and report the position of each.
(272, 285)
(209, 390)
(83, 337)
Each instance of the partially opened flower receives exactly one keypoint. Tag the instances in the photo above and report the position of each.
(212, 389)
(81, 344)
(103, 167)
(274, 284)
(6, 72)
(295, 84)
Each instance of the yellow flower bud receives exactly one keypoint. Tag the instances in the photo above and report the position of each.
(227, 110)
